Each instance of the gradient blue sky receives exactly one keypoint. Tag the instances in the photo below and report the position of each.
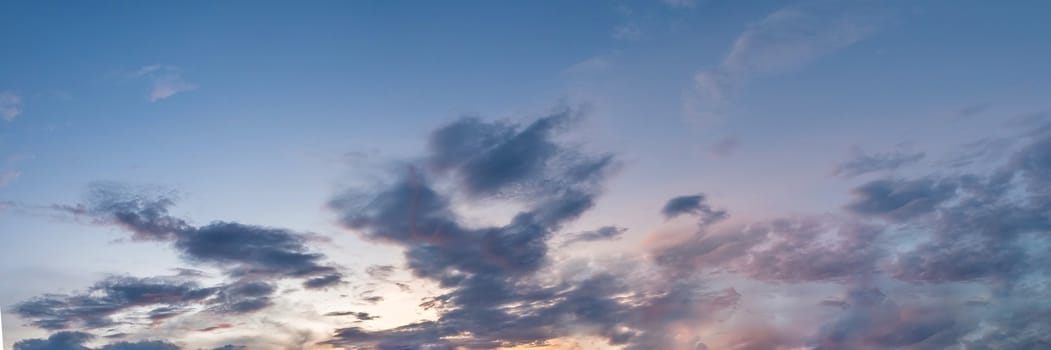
(263, 112)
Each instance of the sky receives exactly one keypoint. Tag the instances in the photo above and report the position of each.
(615, 174)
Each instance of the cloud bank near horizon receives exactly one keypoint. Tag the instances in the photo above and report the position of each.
(941, 260)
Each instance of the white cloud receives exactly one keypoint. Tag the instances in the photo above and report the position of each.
(7, 177)
(165, 81)
(628, 31)
(10, 106)
(783, 41)
(681, 3)
(595, 64)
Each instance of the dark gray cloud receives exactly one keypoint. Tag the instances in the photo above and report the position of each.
(692, 205)
(604, 233)
(800, 249)
(97, 306)
(381, 272)
(243, 297)
(76, 341)
(492, 157)
(509, 159)
(360, 316)
(94, 307)
(899, 250)
(873, 321)
(323, 281)
(861, 163)
(896, 199)
(215, 327)
(144, 213)
(492, 299)
(246, 250)
(240, 250)
(254, 257)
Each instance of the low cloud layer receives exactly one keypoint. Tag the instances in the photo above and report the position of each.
(242, 251)
(932, 261)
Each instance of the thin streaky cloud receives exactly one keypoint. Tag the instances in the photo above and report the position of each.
(861, 162)
(783, 41)
(8, 176)
(165, 81)
(10, 106)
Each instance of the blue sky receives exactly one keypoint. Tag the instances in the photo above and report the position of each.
(864, 131)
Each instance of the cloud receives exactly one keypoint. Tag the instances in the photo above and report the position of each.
(724, 147)
(252, 251)
(934, 261)
(254, 258)
(360, 316)
(8, 176)
(243, 297)
(381, 272)
(323, 281)
(240, 250)
(76, 341)
(508, 159)
(592, 65)
(783, 41)
(799, 249)
(692, 205)
(604, 233)
(971, 110)
(215, 327)
(681, 3)
(95, 307)
(901, 199)
(10, 106)
(165, 81)
(986, 150)
(874, 321)
(492, 299)
(628, 31)
(861, 163)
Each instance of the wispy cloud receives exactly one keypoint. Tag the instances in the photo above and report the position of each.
(861, 163)
(628, 31)
(8, 172)
(724, 147)
(8, 176)
(785, 40)
(10, 106)
(592, 65)
(165, 81)
(681, 3)
(971, 110)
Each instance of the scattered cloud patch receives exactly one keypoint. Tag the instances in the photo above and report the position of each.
(783, 41)
(605, 233)
(692, 205)
(10, 106)
(724, 147)
(8, 176)
(971, 110)
(165, 81)
(683, 4)
(360, 316)
(861, 163)
(76, 341)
